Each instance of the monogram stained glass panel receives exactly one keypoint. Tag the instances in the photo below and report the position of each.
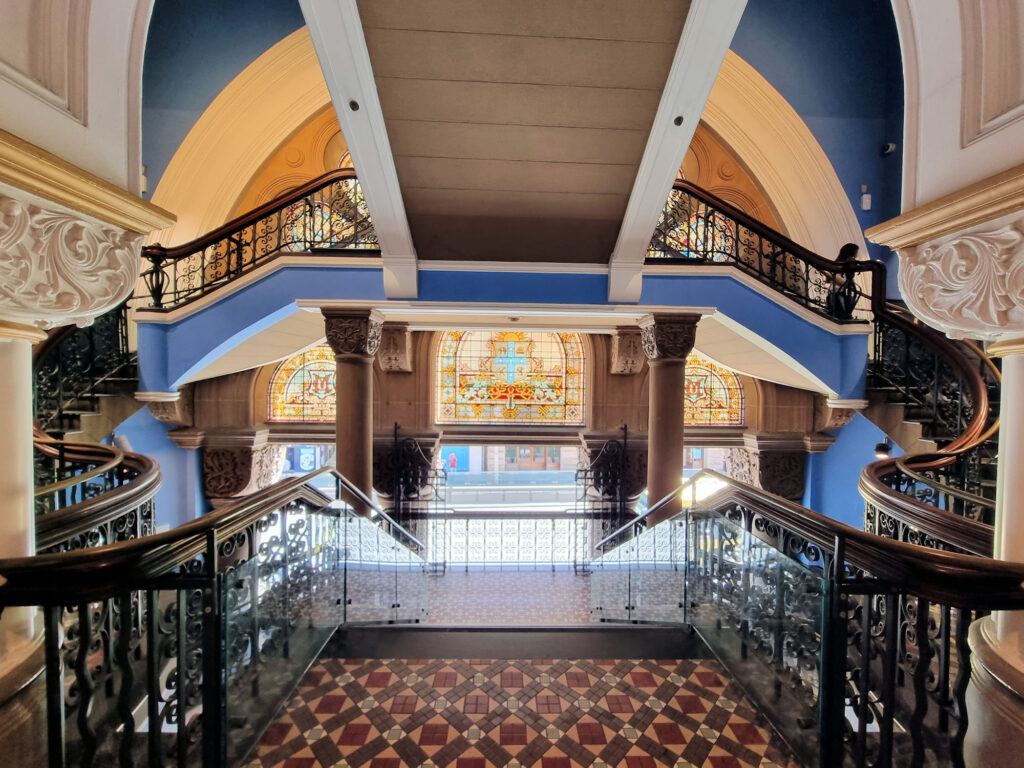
(302, 387)
(510, 377)
(713, 396)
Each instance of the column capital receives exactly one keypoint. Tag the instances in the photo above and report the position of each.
(353, 332)
(668, 337)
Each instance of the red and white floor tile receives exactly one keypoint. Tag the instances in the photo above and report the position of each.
(545, 713)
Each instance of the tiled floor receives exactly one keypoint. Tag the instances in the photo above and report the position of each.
(473, 713)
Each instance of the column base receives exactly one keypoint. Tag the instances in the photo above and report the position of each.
(995, 699)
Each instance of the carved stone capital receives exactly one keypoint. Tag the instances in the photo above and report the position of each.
(778, 472)
(395, 353)
(232, 472)
(58, 266)
(627, 355)
(353, 333)
(828, 416)
(177, 411)
(668, 337)
(970, 283)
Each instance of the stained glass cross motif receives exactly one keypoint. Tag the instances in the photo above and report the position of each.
(510, 361)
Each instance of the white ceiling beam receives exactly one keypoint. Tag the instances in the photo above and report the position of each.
(707, 33)
(337, 35)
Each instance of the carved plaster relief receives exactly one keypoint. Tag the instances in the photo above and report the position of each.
(971, 283)
(59, 267)
(395, 353)
(627, 351)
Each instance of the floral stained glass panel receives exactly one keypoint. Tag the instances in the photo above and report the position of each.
(302, 387)
(713, 395)
(510, 377)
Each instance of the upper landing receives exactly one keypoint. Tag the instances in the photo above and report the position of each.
(273, 311)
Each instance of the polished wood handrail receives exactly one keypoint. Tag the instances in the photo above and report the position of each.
(75, 451)
(250, 218)
(54, 528)
(99, 571)
(945, 577)
(975, 433)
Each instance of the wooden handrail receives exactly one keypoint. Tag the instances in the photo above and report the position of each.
(85, 574)
(250, 218)
(945, 577)
(110, 457)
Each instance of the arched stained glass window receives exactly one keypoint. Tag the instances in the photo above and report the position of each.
(713, 396)
(510, 377)
(704, 235)
(302, 387)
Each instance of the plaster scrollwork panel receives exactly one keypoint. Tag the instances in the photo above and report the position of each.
(58, 267)
(970, 284)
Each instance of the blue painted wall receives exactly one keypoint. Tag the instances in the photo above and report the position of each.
(831, 482)
(838, 64)
(194, 49)
(180, 498)
(170, 353)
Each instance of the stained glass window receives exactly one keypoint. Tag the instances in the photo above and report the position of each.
(302, 387)
(510, 377)
(713, 396)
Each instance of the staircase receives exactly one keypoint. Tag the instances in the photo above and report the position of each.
(85, 379)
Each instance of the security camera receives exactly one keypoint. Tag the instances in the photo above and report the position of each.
(888, 148)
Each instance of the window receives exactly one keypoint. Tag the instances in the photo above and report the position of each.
(302, 387)
(713, 395)
(510, 377)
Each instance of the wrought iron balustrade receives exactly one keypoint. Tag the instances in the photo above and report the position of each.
(853, 645)
(88, 495)
(327, 214)
(177, 647)
(74, 363)
(698, 228)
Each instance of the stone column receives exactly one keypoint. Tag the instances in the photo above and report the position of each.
(354, 335)
(667, 340)
(17, 482)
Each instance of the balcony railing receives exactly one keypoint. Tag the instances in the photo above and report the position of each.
(328, 214)
(853, 645)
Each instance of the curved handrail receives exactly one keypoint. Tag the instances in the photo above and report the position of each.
(253, 238)
(876, 491)
(110, 456)
(83, 573)
(949, 578)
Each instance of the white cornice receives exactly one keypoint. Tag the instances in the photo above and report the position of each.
(709, 28)
(34, 170)
(337, 35)
(981, 202)
(535, 267)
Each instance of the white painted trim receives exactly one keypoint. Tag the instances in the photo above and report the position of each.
(133, 131)
(536, 267)
(852, 404)
(337, 35)
(158, 396)
(703, 44)
(911, 100)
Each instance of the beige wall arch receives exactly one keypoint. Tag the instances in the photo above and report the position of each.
(781, 153)
(281, 90)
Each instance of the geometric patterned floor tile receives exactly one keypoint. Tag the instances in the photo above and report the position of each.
(540, 713)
